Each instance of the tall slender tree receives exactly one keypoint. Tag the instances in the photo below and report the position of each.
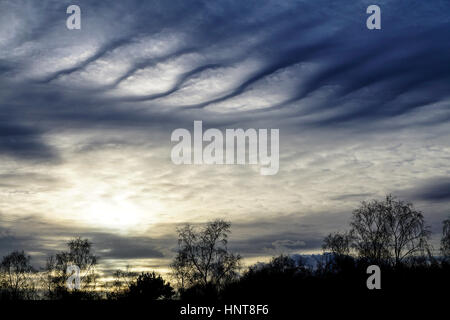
(79, 254)
(445, 241)
(203, 256)
(16, 276)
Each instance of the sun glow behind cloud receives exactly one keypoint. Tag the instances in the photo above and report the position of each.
(115, 214)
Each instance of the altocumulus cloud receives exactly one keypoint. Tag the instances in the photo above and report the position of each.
(86, 117)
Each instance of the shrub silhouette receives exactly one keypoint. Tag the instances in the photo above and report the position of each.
(148, 286)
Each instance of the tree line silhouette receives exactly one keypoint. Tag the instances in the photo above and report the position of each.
(390, 233)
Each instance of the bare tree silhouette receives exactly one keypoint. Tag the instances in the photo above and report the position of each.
(16, 276)
(338, 243)
(445, 241)
(390, 230)
(80, 254)
(203, 257)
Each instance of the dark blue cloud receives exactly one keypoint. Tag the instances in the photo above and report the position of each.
(24, 142)
(406, 56)
(435, 190)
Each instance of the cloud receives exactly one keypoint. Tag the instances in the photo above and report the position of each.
(86, 118)
(24, 142)
(436, 189)
(290, 244)
(50, 238)
(278, 57)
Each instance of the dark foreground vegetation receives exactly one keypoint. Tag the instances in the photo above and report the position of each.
(388, 233)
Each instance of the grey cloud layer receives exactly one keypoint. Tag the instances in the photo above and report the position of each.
(361, 112)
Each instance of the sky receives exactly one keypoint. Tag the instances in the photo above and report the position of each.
(86, 118)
